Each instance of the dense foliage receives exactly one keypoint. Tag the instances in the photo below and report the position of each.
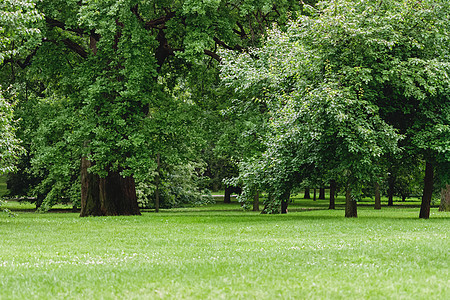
(350, 92)
(342, 86)
(123, 82)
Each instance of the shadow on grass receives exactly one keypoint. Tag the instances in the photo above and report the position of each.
(233, 212)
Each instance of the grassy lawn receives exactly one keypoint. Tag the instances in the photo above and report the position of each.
(221, 252)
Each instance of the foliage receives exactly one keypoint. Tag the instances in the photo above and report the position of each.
(338, 82)
(9, 144)
(18, 20)
(179, 186)
(127, 77)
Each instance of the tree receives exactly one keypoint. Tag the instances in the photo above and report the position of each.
(312, 116)
(117, 64)
(345, 56)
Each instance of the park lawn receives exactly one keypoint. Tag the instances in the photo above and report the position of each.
(222, 252)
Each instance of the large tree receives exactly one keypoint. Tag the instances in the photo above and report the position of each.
(116, 68)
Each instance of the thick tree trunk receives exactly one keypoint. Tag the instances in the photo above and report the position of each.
(307, 195)
(332, 194)
(391, 191)
(322, 194)
(350, 205)
(445, 199)
(427, 192)
(118, 195)
(314, 195)
(110, 196)
(256, 201)
(377, 196)
(90, 193)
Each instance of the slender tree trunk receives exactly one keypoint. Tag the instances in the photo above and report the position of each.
(110, 196)
(285, 201)
(39, 200)
(350, 205)
(427, 192)
(314, 197)
(445, 199)
(391, 191)
(158, 179)
(332, 194)
(227, 197)
(307, 195)
(322, 194)
(377, 196)
(256, 201)
(284, 206)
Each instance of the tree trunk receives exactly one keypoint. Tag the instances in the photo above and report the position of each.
(332, 194)
(90, 194)
(110, 196)
(350, 205)
(322, 194)
(227, 197)
(391, 191)
(39, 200)
(285, 201)
(427, 192)
(118, 195)
(158, 169)
(314, 197)
(377, 196)
(445, 199)
(284, 206)
(256, 201)
(307, 195)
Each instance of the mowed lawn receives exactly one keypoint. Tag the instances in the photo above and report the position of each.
(222, 252)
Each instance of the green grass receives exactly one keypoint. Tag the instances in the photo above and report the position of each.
(221, 252)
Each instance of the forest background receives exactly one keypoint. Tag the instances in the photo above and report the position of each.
(117, 105)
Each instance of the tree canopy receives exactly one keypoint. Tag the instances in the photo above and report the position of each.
(343, 85)
(130, 93)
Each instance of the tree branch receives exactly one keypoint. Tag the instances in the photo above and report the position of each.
(55, 23)
(221, 43)
(155, 23)
(241, 33)
(213, 55)
(75, 47)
